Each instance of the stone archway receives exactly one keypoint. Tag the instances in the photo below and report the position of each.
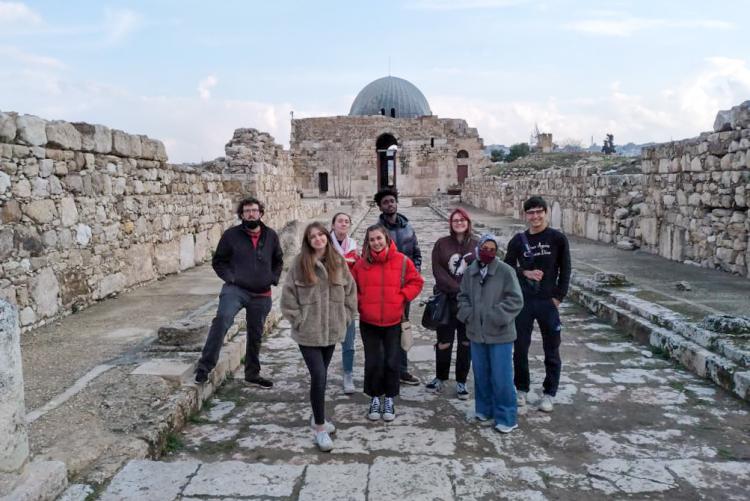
(386, 147)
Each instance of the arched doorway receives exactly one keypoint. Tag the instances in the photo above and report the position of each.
(462, 166)
(386, 147)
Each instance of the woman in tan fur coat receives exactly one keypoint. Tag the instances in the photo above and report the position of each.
(319, 299)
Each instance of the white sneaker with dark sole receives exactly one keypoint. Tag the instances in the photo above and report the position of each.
(505, 429)
(349, 383)
(323, 441)
(329, 426)
(545, 404)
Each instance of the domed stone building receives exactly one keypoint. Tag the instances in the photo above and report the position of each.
(389, 139)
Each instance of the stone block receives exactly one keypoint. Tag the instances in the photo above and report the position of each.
(126, 145)
(40, 481)
(4, 182)
(202, 247)
(167, 257)
(184, 332)
(45, 289)
(74, 287)
(153, 149)
(41, 211)
(63, 135)
(68, 211)
(109, 285)
(649, 230)
(170, 369)
(592, 226)
(96, 138)
(187, 251)
(31, 130)
(610, 278)
(7, 127)
(6, 243)
(83, 234)
(737, 117)
(139, 264)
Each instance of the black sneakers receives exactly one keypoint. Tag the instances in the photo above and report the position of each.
(201, 376)
(259, 381)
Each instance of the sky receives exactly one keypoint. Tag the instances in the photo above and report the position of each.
(190, 72)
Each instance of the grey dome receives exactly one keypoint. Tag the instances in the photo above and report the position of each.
(390, 92)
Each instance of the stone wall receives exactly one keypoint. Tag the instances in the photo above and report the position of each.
(88, 211)
(344, 147)
(687, 200)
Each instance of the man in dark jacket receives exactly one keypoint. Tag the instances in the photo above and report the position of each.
(541, 257)
(249, 260)
(403, 235)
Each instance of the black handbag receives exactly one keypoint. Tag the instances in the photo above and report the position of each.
(436, 312)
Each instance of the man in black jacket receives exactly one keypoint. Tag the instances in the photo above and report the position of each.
(405, 239)
(249, 260)
(541, 257)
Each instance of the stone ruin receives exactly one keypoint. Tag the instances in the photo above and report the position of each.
(684, 200)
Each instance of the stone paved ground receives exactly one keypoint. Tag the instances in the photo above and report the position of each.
(627, 425)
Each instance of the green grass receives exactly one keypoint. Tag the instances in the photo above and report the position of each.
(173, 443)
(726, 454)
(197, 418)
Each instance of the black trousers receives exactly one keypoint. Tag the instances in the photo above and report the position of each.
(231, 300)
(317, 359)
(545, 313)
(446, 334)
(382, 359)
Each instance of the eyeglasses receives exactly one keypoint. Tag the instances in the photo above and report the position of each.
(459, 220)
(533, 212)
(251, 211)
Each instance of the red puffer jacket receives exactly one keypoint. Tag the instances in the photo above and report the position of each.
(380, 296)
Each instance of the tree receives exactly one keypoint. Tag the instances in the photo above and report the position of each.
(609, 145)
(497, 155)
(518, 150)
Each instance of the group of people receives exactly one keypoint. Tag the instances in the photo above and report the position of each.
(491, 306)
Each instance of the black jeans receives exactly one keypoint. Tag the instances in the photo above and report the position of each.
(231, 300)
(542, 310)
(317, 359)
(446, 334)
(382, 358)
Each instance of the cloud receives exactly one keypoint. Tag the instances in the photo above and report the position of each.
(28, 58)
(13, 14)
(120, 23)
(628, 26)
(680, 111)
(205, 86)
(443, 5)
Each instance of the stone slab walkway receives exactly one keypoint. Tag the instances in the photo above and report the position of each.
(627, 425)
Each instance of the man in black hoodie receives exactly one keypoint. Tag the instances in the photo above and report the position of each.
(249, 260)
(541, 257)
(405, 239)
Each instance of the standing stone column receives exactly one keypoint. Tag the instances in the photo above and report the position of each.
(14, 443)
(20, 479)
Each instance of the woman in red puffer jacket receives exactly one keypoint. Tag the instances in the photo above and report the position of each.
(381, 301)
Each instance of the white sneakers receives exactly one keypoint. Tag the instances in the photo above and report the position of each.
(505, 429)
(545, 404)
(349, 383)
(323, 438)
(323, 441)
(521, 398)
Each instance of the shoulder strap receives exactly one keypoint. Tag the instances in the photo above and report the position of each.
(528, 256)
(403, 270)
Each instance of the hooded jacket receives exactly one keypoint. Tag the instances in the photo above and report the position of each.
(319, 312)
(237, 262)
(488, 306)
(380, 297)
(403, 234)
